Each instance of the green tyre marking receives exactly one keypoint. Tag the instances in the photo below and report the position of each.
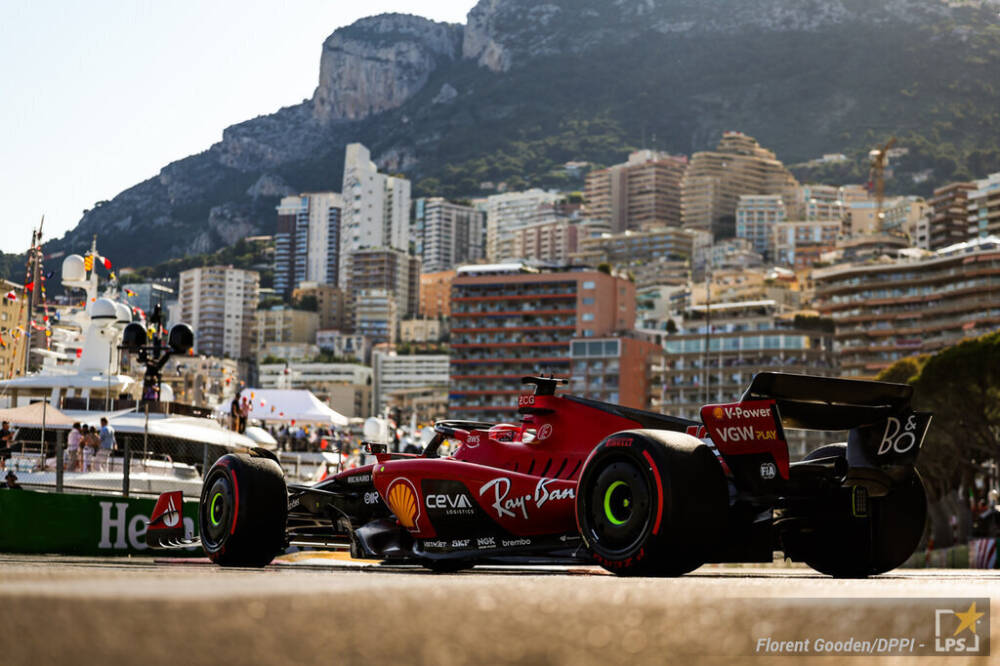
(217, 496)
(607, 504)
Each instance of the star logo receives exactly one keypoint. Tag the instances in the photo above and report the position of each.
(968, 619)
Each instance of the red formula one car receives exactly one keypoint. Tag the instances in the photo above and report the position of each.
(583, 481)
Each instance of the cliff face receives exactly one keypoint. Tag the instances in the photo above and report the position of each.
(525, 86)
(378, 63)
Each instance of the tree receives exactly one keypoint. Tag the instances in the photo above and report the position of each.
(961, 386)
(308, 303)
(903, 371)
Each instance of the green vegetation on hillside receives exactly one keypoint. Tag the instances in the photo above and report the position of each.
(254, 255)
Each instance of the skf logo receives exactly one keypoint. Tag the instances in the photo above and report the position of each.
(402, 500)
(957, 631)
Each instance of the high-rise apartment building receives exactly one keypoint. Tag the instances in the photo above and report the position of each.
(642, 193)
(551, 241)
(376, 315)
(917, 304)
(376, 208)
(756, 215)
(508, 321)
(984, 207)
(510, 211)
(392, 373)
(284, 324)
(663, 243)
(800, 244)
(435, 294)
(948, 218)
(307, 240)
(821, 202)
(220, 304)
(448, 234)
(393, 271)
(329, 303)
(714, 181)
(898, 214)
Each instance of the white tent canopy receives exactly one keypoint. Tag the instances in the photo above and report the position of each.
(287, 405)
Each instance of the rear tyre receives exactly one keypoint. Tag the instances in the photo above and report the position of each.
(651, 503)
(843, 546)
(244, 506)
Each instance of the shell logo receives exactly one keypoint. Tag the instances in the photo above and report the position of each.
(401, 497)
(717, 412)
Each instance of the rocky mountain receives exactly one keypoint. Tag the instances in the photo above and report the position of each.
(525, 86)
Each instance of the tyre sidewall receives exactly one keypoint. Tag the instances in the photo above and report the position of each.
(256, 520)
(648, 459)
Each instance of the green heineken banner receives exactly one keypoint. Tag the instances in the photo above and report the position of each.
(34, 522)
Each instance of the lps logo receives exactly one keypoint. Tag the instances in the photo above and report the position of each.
(957, 632)
(768, 470)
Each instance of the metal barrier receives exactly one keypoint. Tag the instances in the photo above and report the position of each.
(141, 463)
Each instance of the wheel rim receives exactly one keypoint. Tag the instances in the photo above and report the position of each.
(619, 507)
(216, 510)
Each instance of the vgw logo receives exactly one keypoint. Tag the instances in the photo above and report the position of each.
(952, 630)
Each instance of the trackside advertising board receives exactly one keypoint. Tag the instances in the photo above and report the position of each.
(70, 524)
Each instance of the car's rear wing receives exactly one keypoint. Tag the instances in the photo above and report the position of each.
(827, 403)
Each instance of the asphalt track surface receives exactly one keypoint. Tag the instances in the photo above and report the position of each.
(62, 610)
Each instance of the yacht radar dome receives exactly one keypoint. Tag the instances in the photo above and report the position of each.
(123, 314)
(103, 308)
(73, 269)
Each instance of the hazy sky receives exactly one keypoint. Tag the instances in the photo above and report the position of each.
(97, 96)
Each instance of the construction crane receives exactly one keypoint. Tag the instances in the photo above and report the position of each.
(879, 159)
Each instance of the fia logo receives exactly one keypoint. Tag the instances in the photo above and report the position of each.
(768, 470)
(952, 629)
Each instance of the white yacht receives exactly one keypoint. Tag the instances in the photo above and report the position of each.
(81, 376)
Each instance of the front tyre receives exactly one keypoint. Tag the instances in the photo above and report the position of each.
(651, 503)
(243, 510)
